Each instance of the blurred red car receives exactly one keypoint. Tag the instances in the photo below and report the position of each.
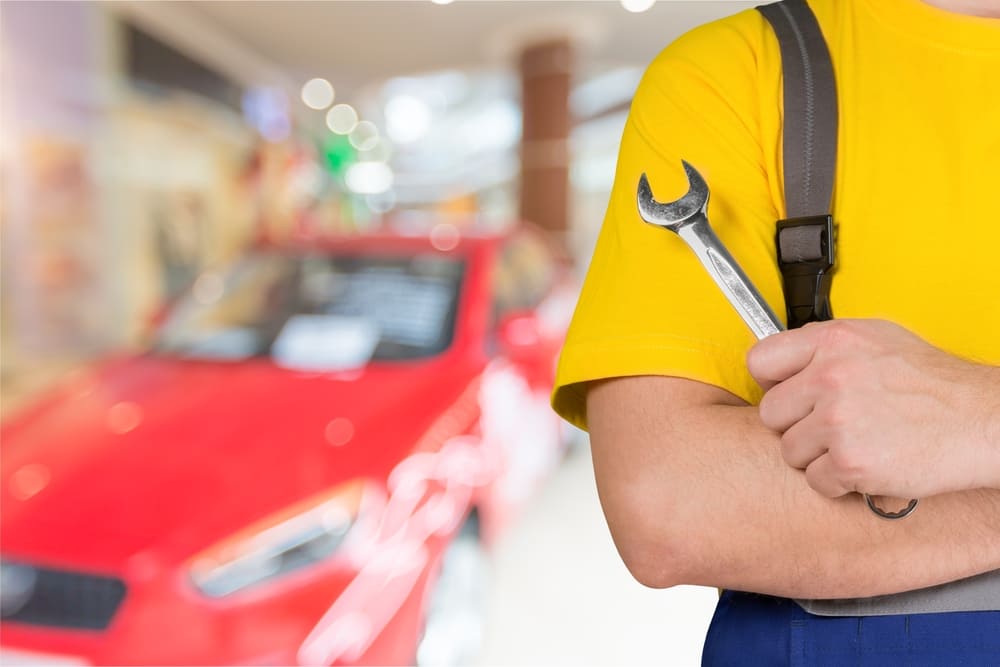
(301, 470)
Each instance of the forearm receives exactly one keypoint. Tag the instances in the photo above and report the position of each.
(992, 428)
(699, 494)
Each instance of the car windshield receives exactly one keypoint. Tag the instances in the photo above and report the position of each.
(317, 312)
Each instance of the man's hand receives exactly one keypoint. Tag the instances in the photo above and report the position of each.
(866, 406)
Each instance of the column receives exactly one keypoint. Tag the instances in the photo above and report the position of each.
(546, 70)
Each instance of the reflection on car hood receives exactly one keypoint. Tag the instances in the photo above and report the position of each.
(166, 456)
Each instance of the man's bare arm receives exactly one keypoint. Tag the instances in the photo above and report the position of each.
(695, 491)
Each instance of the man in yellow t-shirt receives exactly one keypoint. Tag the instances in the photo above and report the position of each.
(724, 463)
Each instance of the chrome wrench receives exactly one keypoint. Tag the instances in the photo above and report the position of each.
(687, 218)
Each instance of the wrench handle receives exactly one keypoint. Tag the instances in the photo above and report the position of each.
(730, 278)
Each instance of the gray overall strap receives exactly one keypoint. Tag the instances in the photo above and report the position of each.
(810, 119)
(805, 238)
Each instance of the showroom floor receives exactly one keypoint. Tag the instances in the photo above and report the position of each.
(561, 596)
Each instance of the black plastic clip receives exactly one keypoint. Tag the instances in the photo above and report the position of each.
(806, 257)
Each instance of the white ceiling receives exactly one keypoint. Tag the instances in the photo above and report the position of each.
(356, 43)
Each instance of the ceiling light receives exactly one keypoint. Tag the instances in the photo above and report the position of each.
(637, 6)
(369, 178)
(407, 119)
(317, 93)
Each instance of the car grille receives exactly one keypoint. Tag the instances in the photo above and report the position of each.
(63, 599)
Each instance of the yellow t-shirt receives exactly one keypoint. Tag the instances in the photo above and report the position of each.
(916, 199)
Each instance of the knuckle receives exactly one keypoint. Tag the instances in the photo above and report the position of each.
(757, 361)
(768, 410)
(835, 417)
(836, 376)
(848, 463)
(830, 378)
(818, 482)
(790, 452)
(839, 334)
(817, 485)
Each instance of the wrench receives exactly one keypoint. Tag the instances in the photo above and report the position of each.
(687, 218)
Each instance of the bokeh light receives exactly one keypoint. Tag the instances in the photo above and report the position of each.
(445, 236)
(342, 119)
(407, 118)
(317, 93)
(369, 178)
(364, 136)
(339, 431)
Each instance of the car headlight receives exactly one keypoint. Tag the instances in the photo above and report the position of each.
(298, 537)
(17, 584)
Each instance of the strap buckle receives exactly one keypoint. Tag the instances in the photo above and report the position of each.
(805, 256)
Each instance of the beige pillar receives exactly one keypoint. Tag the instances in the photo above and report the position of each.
(546, 71)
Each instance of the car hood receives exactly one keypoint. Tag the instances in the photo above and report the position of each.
(163, 457)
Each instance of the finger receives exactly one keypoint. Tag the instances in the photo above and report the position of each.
(784, 354)
(802, 444)
(821, 476)
(788, 402)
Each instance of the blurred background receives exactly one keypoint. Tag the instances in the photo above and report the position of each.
(150, 150)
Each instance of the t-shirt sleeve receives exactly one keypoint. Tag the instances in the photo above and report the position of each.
(647, 306)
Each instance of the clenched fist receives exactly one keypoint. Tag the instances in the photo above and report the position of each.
(867, 406)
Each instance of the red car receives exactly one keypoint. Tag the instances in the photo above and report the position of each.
(302, 469)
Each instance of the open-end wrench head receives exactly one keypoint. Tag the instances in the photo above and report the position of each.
(674, 214)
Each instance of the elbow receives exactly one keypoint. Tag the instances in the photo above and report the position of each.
(647, 479)
(650, 540)
(659, 571)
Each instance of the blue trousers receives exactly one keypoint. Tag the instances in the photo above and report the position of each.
(751, 629)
